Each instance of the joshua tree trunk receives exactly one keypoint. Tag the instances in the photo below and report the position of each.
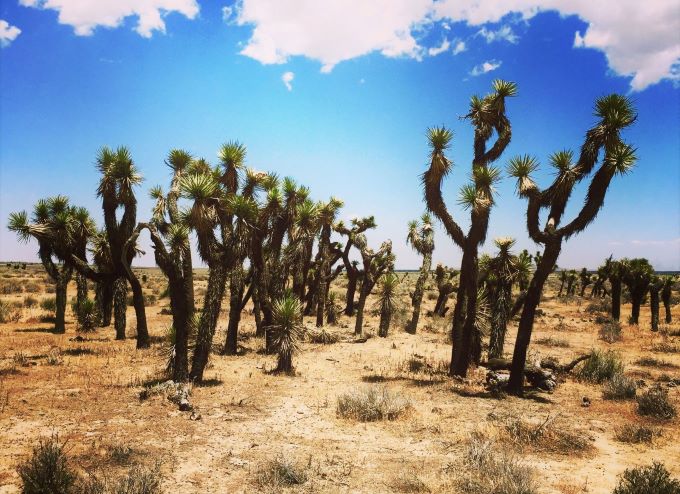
(182, 311)
(666, 298)
(104, 296)
(385, 320)
(81, 285)
(499, 323)
(654, 305)
(526, 323)
(119, 306)
(140, 311)
(616, 298)
(464, 313)
(352, 279)
(636, 302)
(208, 322)
(417, 299)
(236, 289)
(363, 295)
(60, 313)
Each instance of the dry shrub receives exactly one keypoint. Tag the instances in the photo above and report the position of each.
(48, 469)
(610, 331)
(281, 472)
(665, 347)
(418, 364)
(409, 481)
(549, 436)
(32, 287)
(30, 301)
(619, 387)
(490, 470)
(554, 342)
(138, 480)
(636, 434)
(8, 313)
(10, 287)
(647, 480)
(322, 337)
(653, 362)
(371, 404)
(654, 403)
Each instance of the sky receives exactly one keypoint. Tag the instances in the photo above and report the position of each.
(338, 94)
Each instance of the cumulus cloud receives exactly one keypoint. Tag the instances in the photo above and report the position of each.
(287, 79)
(638, 38)
(331, 31)
(436, 50)
(504, 33)
(8, 33)
(459, 47)
(485, 67)
(86, 15)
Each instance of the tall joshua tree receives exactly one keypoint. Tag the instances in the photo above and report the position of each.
(359, 226)
(614, 113)
(375, 264)
(442, 277)
(61, 230)
(584, 277)
(386, 301)
(488, 117)
(327, 215)
(564, 274)
(655, 286)
(637, 276)
(614, 270)
(119, 177)
(421, 238)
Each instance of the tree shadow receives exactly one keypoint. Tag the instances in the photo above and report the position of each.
(38, 330)
(209, 383)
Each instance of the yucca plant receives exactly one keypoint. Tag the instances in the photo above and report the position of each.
(328, 211)
(358, 227)
(666, 290)
(445, 287)
(488, 116)
(614, 113)
(614, 272)
(564, 274)
(387, 301)
(421, 237)
(287, 331)
(375, 265)
(332, 309)
(584, 278)
(87, 314)
(655, 286)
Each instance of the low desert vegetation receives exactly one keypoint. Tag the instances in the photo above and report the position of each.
(601, 366)
(655, 403)
(372, 403)
(619, 387)
(646, 480)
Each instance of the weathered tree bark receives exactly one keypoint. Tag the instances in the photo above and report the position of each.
(666, 298)
(616, 298)
(654, 289)
(104, 299)
(236, 290)
(499, 322)
(81, 287)
(60, 300)
(119, 306)
(140, 310)
(385, 320)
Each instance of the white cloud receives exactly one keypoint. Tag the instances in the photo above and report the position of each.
(436, 50)
(485, 67)
(504, 33)
(639, 38)
(86, 15)
(287, 79)
(650, 242)
(459, 48)
(331, 31)
(226, 14)
(8, 33)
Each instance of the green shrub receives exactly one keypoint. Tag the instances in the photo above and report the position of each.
(87, 314)
(654, 479)
(30, 301)
(47, 471)
(49, 305)
(619, 387)
(610, 331)
(636, 434)
(654, 403)
(652, 362)
(600, 366)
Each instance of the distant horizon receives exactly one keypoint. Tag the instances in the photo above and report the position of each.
(341, 103)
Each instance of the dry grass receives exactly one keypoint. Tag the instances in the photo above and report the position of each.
(372, 403)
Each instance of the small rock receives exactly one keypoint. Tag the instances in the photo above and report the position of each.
(585, 402)
(195, 416)
(185, 406)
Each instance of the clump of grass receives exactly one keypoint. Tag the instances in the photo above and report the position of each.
(610, 331)
(138, 480)
(87, 315)
(371, 404)
(417, 364)
(652, 362)
(554, 342)
(30, 301)
(654, 403)
(120, 453)
(54, 357)
(8, 314)
(493, 471)
(49, 305)
(31, 287)
(548, 436)
(601, 305)
(636, 434)
(409, 481)
(646, 480)
(281, 472)
(601, 366)
(619, 387)
(48, 469)
(665, 347)
(322, 337)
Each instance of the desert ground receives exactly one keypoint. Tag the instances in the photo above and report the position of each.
(85, 388)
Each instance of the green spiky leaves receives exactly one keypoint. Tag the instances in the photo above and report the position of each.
(562, 161)
(232, 154)
(615, 111)
(439, 138)
(504, 89)
(199, 187)
(179, 160)
(521, 168)
(119, 175)
(479, 194)
(18, 223)
(621, 158)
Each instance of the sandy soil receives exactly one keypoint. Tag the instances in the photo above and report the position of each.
(248, 416)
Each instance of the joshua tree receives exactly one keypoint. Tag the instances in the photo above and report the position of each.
(287, 330)
(585, 280)
(637, 276)
(655, 286)
(61, 230)
(328, 212)
(666, 296)
(119, 177)
(387, 299)
(564, 274)
(571, 282)
(332, 309)
(442, 278)
(614, 271)
(615, 113)
(359, 226)
(375, 264)
(421, 238)
(599, 290)
(525, 258)
(487, 115)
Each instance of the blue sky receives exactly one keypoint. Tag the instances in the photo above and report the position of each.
(338, 95)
